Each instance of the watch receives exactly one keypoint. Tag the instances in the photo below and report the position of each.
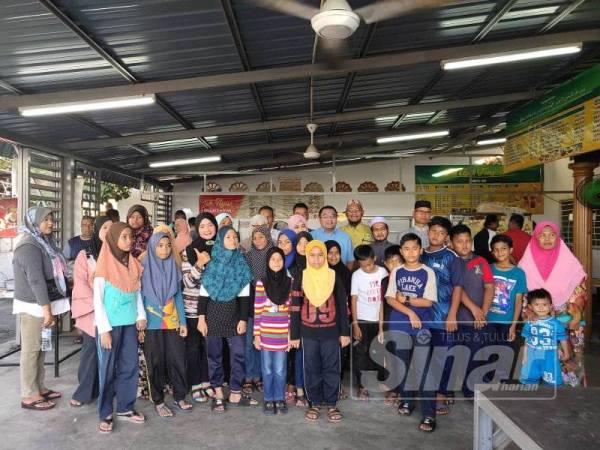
(406, 300)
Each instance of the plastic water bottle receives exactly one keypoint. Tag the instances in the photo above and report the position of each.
(46, 339)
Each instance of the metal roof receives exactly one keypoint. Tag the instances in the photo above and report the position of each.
(250, 81)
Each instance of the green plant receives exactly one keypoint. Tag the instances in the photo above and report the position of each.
(114, 191)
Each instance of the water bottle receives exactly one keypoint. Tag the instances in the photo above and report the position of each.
(46, 339)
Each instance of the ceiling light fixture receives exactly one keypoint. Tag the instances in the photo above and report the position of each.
(500, 58)
(410, 137)
(492, 141)
(183, 162)
(443, 173)
(91, 105)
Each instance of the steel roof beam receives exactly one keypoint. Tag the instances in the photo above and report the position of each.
(494, 20)
(568, 9)
(373, 63)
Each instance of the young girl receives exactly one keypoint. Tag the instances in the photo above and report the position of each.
(139, 222)
(320, 318)
(297, 223)
(223, 312)
(271, 328)
(82, 310)
(119, 310)
(287, 242)
(257, 260)
(197, 256)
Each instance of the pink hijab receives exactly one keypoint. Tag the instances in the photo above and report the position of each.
(557, 270)
(295, 220)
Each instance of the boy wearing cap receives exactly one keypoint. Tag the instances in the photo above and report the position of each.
(421, 217)
(359, 233)
(380, 232)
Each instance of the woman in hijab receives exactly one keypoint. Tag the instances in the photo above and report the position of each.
(197, 256)
(40, 294)
(183, 236)
(548, 263)
(299, 264)
(119, 316)
(287, 242)
(164, 344)
(297, 223)
(139, 221)
(223, 309)
(256, 221)
(334, 259)
(271, 329)
(323, 327)
(82, 310)
(257, 260)
(224, 219)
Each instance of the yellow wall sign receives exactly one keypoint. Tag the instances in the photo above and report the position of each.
(561, 124)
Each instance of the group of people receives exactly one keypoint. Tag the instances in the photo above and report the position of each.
(185, 312)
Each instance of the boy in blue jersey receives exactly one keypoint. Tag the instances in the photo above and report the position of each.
(510, 285)
(411, 292)
(541, 355)
(439, 258)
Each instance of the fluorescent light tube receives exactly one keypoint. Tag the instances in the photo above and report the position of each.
(492, 141)
(183, 162)
(410, 137)
(501, 58)
(445, 172)
(92, 105)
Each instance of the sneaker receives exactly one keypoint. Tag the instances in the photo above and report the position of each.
(281, 407)
(269, 408)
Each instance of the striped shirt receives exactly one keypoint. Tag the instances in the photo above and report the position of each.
(271, 321)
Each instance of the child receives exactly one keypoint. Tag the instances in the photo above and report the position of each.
(510, 285)
(319, 317)
(541, 356)
(164, 344)
(223, 313)
(367, 313)
(119, 310)
(472, 295)
(271, 329)
(440, 258)
(411, 292)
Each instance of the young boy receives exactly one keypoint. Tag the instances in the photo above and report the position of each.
(510, 285)
(367, 313)
(472, 295)
(411, 292)
(541, 356)
(440, 258)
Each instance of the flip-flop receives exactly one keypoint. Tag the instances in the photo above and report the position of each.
(51, 395)
(428, 422)
(218, 406)
(177, 405)
(75, 403)
(163, 407)
(244, 401)
(107, 429)
(132, 416)
(37, 405)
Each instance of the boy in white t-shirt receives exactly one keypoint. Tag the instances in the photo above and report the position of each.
(367, 314)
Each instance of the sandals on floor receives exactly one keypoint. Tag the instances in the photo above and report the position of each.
(301, 401)
(405, 409)
(427, 425)
(218, 405)
(258, 385)
(247, 387)
(163, 411)
(442, 408)
(363, 394)
(334, 415)
(39, 405)
(182, 408)
(244, 401)
(51, 395)
(106, 425)
(312, 414)
(199, 396)
(290, 398)
(132, 416)
(390, 398)
(75, 403)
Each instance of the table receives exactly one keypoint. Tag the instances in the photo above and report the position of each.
(565, 418)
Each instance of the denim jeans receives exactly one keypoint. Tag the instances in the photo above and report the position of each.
(252, 357)
(274, 371)
(215, 350)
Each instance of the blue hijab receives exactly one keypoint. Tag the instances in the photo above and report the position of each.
(161, 278)
(293, 237)
(228, 272)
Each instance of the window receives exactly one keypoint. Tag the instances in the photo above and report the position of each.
(45, 186)
(162, 207)
(90, 198)
(566, 224)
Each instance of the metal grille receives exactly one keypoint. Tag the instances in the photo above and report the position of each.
(91, 196)
(566, 223)
(45, 186)
(162, 207)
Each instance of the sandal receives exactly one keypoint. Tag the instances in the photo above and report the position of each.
(290, 398)
(390, 398)
(259, 386)
(427, 425)
(106, 425)
(247, 387)
(183, 406)
(40, 405)
(199, 396)
(132, 416)
(51, 395)
(442, 408)
(363, 394)
(312, 414)
(218, 405)
(301, 401)
(75, 403)
(343, 395)
(209, 392)
(164, 411)
(334, 415)
(244, 401)
(405, 409)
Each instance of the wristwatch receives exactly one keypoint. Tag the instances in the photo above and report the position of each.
(406, 300)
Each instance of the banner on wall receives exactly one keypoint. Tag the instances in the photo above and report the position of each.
(563, 123)
(8, 217)
(455, 187)
(245, 206)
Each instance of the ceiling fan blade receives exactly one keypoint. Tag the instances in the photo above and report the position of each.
(388, 9)
(289, 7)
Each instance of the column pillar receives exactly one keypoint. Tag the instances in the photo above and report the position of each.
(582, 233)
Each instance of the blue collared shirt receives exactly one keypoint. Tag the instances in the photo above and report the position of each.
(341, 237)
